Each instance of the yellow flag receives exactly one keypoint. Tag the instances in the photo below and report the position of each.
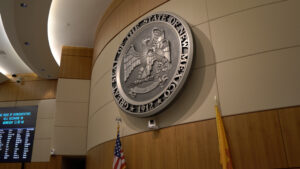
(225, 158)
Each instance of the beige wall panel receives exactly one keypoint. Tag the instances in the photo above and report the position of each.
(255, 140)
(219, 8)
(29, 102)
(201, 109)
(41, 150)
(44, 128)
(70, 140)
(197, 145)
(9, 91)
(290, 124)
(35, 90)
(196, 100)
(260, 82)
(204, 52)
(155, 149)
(102, 125)
(7, 104)
(123, 14)
(101, 93)
(71, 114)
(46, 108)
(104, 63)
(193, 11)
(73, 90)
(249, 32)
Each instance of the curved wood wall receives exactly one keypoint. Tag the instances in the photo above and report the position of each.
(263, 140)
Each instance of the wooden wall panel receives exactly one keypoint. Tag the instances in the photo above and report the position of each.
(108, 154)
(155, 149)
(76, 63)
(9, 91)
(290, 123)
(255, 140)
(31, 88)
(118, 16)
(35, 90)
(197, 145)
(95, 158)
(10, 165)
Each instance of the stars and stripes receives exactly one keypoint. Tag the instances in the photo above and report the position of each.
(119, 160)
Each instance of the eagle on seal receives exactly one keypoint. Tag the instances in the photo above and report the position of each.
(154, 49)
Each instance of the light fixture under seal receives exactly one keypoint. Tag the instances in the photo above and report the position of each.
(152, 63)
(23, 5)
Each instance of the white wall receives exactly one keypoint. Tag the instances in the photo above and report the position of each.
(247, 53)
(44, 126)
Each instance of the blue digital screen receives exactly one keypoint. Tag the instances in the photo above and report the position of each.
(17, 128)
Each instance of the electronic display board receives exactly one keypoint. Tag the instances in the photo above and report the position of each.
(17, 127)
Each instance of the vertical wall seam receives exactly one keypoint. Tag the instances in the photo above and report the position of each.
(283, 140)
(215, 58)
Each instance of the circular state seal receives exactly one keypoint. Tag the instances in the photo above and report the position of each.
(152, 64)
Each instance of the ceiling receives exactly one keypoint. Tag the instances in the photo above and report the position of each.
(74, 23)
(3, 78)
(34, 32)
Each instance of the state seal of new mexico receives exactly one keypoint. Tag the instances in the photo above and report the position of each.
(152, 64)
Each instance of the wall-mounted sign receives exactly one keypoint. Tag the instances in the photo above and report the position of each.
(152, 64)
(17, 128)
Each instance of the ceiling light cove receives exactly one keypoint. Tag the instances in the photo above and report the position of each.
(73, 23)
(10, 62)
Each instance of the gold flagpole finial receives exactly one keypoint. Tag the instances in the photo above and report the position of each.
(118, 120)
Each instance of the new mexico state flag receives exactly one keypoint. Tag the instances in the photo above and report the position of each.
(225, 158)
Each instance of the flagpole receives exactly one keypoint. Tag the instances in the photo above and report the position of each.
(225, 157)
(119, 159)
(118, 120)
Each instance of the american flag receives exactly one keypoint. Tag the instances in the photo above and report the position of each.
(119, 160)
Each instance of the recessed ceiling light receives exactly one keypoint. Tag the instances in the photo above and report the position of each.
(23, 5)
(26, 43)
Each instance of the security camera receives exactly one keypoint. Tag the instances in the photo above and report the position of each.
(18, 79)
(52, 151)
(152, 124)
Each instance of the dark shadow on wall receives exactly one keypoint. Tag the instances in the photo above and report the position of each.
(193, 94)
